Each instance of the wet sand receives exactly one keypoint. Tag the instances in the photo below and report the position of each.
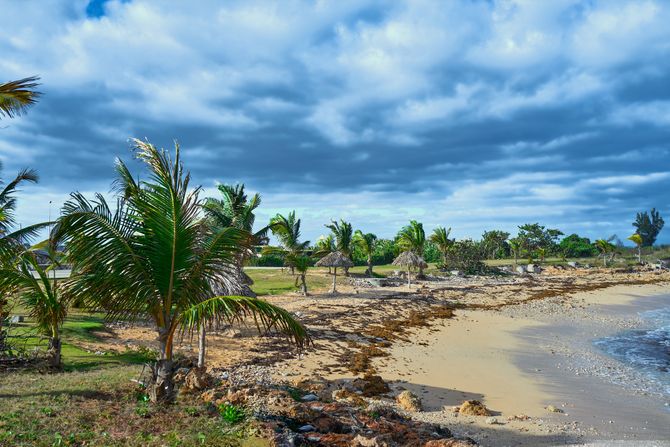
(523, 358)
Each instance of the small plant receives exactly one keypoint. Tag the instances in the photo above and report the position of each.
(191, 411)
(47, 411)
(142, 410)
(231, 413)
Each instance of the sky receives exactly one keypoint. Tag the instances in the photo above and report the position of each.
(468, 114)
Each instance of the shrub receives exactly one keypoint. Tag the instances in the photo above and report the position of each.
(231, 413)
(467, 256)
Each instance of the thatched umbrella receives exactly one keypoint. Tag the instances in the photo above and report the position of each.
(335, 259)
(410, 260)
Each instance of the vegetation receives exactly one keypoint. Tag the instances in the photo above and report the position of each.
(648, 225)
(495, 243)
(287, 230)
(533, 237)
(302, 264)
(366, 243)
(606, 249)
(638, 241)
(440, 238)
(413, 238)
(153, 256)
(17, 96)
(41, 296)
(468, 256)
(574, 246)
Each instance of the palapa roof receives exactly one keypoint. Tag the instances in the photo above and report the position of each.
(335, 259)
(232, 281)
(411, 259)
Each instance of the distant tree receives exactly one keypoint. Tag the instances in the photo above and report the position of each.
(413, 238)
(574, 246)
(366, 243)
(440, 237)
(385, 252)
(302, 264)
(468, 256)
(648, 225)
(17, 96)
(535, 236)
(606, 249)
(343, 233)
(287, 230)
(638, 241)
(324, 245)
(515, 246)
(494, 242)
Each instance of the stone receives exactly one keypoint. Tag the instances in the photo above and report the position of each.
(572, 264)
(371, 385)
(408, 401)
(305, 428)
(211, 395)
(521, 269)
(197, 379)
(492, 421)
(310, 398)
(553, 409)
(456, 273)
(474, 408)
(450, 442)
(533, 268)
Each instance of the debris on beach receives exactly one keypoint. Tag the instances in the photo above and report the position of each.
(408, 401)
(473, 408)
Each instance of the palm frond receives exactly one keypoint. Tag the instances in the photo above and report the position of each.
(17, 96)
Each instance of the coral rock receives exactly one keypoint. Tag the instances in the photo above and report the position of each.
(408, 401)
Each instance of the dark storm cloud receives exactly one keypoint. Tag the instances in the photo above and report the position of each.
(470, 114)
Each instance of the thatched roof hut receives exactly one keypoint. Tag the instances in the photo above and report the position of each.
(410, 260)
(335, 259)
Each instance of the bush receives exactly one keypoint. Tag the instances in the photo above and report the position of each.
(266, 261)
(231, 413)
(574, 246)
(467, 256)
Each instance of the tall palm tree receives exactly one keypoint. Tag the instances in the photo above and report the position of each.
(17, 96)
(287, 230)
(155, 257)
(515, 245)
(638, 241)
(366, 242)
(324, 245)
(43, 297)
(343, 234)
(413, 238)
(440, 238)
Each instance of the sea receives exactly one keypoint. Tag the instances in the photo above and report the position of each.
(646, 349)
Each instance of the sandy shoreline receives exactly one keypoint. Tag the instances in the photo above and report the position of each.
(521, 359)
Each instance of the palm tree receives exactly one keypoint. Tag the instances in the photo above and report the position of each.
(605, 248)
(287, 230)
(366, 242)
(10, 238)
(155, 257)
(302, 264)
(638, 241)
(343, 233)
(413, 238)
(440, 238)
(515, 245)
(43, 297)
(17, 96)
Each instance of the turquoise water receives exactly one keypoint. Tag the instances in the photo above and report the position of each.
(647, 350)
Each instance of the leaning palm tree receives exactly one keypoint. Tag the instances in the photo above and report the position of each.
(40, 294)
(343, 234)
(155, 257)
(366, 243)
(638, 241)
(605, 247)
(17, 96)
(440, 238)
(413, 238)
(287, 230)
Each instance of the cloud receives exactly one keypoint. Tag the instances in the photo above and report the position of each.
(466, 113)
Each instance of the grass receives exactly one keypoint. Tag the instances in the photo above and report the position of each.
(100, 407)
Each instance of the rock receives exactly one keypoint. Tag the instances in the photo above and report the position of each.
(450, 442)
(310, 398)
(456, 273)
(371, 385)
(519, 417)
(552, 409)
(572, 264)
(492, 421)
(408, 401)
(521, 269)
(533, 268)
(474, 408)
(328, 424)
(211, 395)
(305, 428)
(180, 375)
(377, 441)
(196, 379)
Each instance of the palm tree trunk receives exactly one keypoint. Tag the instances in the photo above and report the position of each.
(54, 352)
(161, 386)
(334, 281)
(202, 346)
(304, 286)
